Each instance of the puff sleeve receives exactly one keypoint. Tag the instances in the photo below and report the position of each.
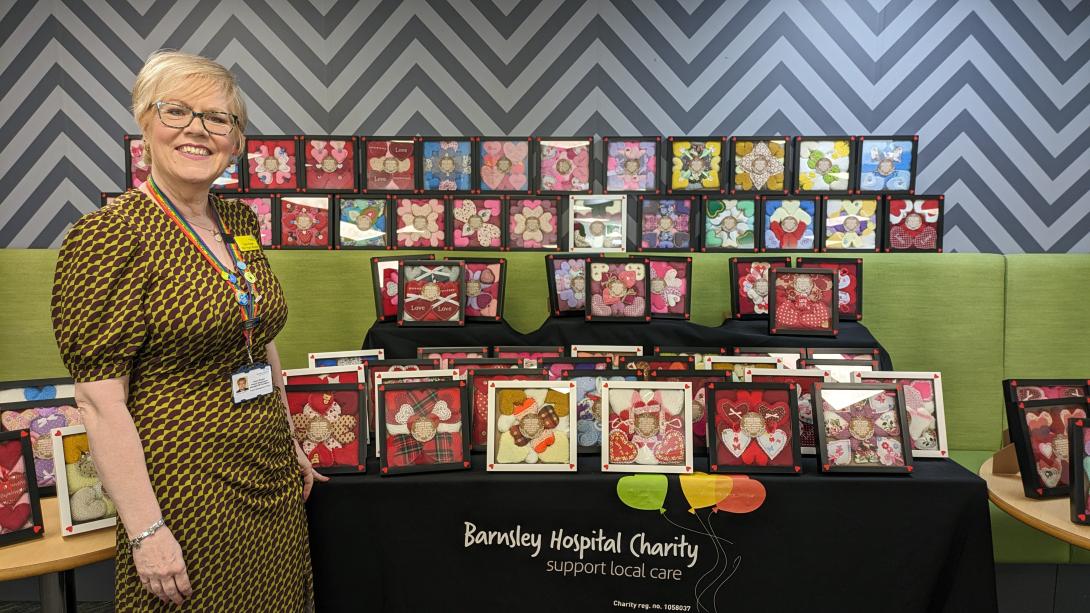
(98, 297)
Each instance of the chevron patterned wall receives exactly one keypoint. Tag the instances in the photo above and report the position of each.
(996, 89)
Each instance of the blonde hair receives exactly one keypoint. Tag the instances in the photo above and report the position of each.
(167, 72)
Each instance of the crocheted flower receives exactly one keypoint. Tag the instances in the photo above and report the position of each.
(421, 222)
(758, 165)
(447, 165)
(479, 287)
(565, 169)
(532, 223)
(476, 221)
(729, 225)
(571, 282)
(330, 165)
(788, 224)
(139, 169)
(631, 166)
(503, 165)
(272, 165)
(323, 430)
(696, 164)
(667, 288)
(40, 422)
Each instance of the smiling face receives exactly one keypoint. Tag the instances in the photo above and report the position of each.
(189, 155)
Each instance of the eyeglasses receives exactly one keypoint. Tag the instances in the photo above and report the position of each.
(179, 116)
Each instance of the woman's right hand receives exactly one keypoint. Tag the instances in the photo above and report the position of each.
(162, 570)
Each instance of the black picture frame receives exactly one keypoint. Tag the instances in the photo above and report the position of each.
(274, 217)
(384, 468)
(796, 163)
(255, 187)
(338, 238)
(306, 186)
(366, 185)
(1011, 386)
(861, 150)
(1032, 484)
(879, 225)
(824, 462)
(539, 183)
(551, 260)
(472, 375)
(758, 226)
(37, 526)
(421, 351)
(668, 164)
(561, 223)
(466, 365)
(736, 190)
(572, 374)
(479, 165)
(815, 224)
(471, 140)
(126, 140)
(549, 363)
(773, 328)
(735, 288)
(372, 367)
(500, 301)
(240, 173)
(888, 225)
(407, 323)
(645, 284)
(688, 263)
(285, 199)
(376, 281)
(1080, 489)
(24, 383)
(555, 351)
(361, 391)
(692, 351)
(835, 264)
(651, 363)
(603, 176)
(43, 490)
(715, 461)
(451, 204)
(636, 242)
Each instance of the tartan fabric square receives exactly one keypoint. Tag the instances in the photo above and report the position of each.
(424, 427)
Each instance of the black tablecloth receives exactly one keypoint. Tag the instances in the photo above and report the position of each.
(401, 342)
(819, 543)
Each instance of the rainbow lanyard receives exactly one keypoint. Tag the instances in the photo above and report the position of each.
(241, 284)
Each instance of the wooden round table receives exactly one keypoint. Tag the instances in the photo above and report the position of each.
(52, 558)
(1051, 516)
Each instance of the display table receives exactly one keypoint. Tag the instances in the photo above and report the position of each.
(53, 557)
(819, 542)
(1051, 516)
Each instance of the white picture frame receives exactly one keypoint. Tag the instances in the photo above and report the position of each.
(843, 372)
(612, 388)
(898, 377)
(580, 214)
(394, 375)
(345, 358)
(328, 374)
(819, 376)
(69, 526)
(492, 445)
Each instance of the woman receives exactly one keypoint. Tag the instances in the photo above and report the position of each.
(158, 300)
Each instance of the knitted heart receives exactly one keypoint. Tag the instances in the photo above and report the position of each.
(598, 306)
(14, 518)
(672, 448)
(787, 316)
(401, 150)
(636, 308)
(12, 488)
(1066, 415)
(507, 452)
(735, 441)
(1050, 475)
(339, 154)
(421, 309)
(557, 453)
(1045, 449)
(10, 453)
(773, 443)
(621, 449)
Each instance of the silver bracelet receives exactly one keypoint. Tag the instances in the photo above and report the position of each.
(134, 543)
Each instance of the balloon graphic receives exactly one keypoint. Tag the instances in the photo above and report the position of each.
(746, 495)
(703, 490)
(643, 492)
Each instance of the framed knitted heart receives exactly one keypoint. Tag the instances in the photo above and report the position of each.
(389, 164)
(476, 223)
(534, 224)
(530, 426)
(1079, 435)
(503, 165)
(849, 283)
(842, 353)
(841, 371)
(631, 164)
(618, 290)
(273, 163)
(304, 222)
(20, 500)
(670, 285)
(423, 427)
(697, 353)
(861, 427)
(528, 354)
(1021, 390)
(788, 356)
(749, 285)
(431, 293)
(824, 164)
(466, 365)
(320, 375)
(1039, 431)
(588, 403)
(446, 165)
(363, 223)
(736, 366)
(137, 161)
(754, 428)
(477, 381)
(760, 165)
(486, 281)
(556, 367)
(730, 225)
(230, 180)
(886, 164)
(330, 164)
(328, 422)
(851, 224)
(263, 207)
(923, 405)
(36, 389)
(384, 283)
(666, 224)
(647, 427)
(566, 275)
(38, 418)
(376, 367)
(424, 375)
(445, 354)
(803, 383)
(789, 225)
(420, 223)
(646, 364)
(915, 224)
(610, 351)
(84, 505)
(696, 164)
(803, 301)
(564, 164)
(345, 358)
(597, 223)
(700, 380)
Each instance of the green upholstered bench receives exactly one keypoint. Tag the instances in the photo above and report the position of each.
(976, 317)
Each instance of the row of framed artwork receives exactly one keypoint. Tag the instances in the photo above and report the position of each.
(563, 165)
(1050, 431)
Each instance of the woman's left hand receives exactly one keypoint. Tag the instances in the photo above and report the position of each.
(307, 470)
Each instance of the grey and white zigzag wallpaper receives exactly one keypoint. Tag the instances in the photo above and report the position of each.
(998, 90)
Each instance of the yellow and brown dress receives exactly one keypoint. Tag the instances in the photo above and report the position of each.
(132, 297)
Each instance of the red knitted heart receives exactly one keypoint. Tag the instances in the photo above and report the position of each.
(10, 452)
(14, 518)
(672, 448)
(621, 449)
(12, 488)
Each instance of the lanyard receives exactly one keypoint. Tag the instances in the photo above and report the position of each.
(241, 282)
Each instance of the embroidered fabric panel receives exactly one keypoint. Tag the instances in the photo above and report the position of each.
(88, 501)
(139, 170)
(753, 427)
(271, 164)
(804, 301)
(565, 166)
(631, 165)
(804, 395)
(921, 409)
(483, 283)
(447, 165)
(789, 224)
(533, 223)
(730, 224)
(432, 293)
(263, 208)
(1049, 392)
(421, 223)
(759, 165)
(588, 406)
(598, 223)
(1047, 428)
(570, 280)
(824, 165)
(363, 222)
(479, 402)
(304, 221)
(751, 279)
(665, 223)
(477, 222)
(532, 426)
(851, 224)
(669, 286)
(862, 432)
(885, 165)
(914, 223)
(695, 165)
(40, 421)
(423, 427)
(504, 165)
(327, 425)
(390, 165)
(330, 164)
(647, 427)
(15, 509)
(617, 289)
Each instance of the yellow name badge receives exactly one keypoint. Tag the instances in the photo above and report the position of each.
(246, 242)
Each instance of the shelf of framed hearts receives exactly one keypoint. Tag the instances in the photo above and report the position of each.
(823, 163)
(422, 427)
(803, 381)
(262, 206)
(597, 223)
(432, 293)
(666, 224)
(755, 428)
(1039, 430)
(20, 498)
(304, 221)
(477, 384)
(83, 502)
(887, 164)
(588, 403)
(530, 426)
(851, 225)
(567, 277)
(329, 164)
(38, 418)
(362, 223)
(923, 405)
(390, 164)
(618, 290)
(650, 427)
(789, 225)
(446, 165)
(860, 427)
(327, 421)
(503, 165)
(749, 285)
(696, 164)
(564, 165)
(915, 224)
(730, 225)
(631, 164)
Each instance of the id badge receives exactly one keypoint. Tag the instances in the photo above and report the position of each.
(251, 381)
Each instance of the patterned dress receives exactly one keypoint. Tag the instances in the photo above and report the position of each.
(132, 297)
